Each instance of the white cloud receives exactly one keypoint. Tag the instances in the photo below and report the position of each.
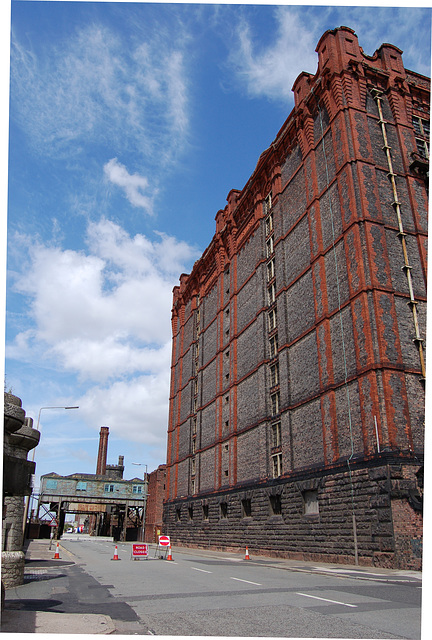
(103, 316)
(136, 410)
(133, 185)
(98, 88)
(105, 313)
(272, 71)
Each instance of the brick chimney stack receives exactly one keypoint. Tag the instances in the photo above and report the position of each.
(103, 450)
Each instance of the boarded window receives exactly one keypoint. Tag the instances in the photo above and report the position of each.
(310, 499)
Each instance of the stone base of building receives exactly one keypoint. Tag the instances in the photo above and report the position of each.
(12, 568)
(368, 512)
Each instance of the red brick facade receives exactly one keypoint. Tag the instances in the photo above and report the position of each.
(297, 387)
(154, 507)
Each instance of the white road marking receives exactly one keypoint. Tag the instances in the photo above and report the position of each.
(233, 559)
(202, 570)
(258, 584)
(360, 573)
(306, 595)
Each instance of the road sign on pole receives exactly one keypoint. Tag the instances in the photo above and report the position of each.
(164, 541)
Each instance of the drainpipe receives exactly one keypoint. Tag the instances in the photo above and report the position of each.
(377, 96)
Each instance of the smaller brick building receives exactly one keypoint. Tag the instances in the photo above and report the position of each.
(154, 510)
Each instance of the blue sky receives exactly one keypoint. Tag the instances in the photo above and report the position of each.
(129, 125)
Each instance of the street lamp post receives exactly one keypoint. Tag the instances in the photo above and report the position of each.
(32, 459)
(139, 464)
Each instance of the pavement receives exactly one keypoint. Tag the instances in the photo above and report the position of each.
(39, 561)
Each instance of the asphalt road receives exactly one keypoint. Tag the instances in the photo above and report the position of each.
(216, 594)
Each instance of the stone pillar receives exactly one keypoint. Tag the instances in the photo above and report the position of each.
(19, 439)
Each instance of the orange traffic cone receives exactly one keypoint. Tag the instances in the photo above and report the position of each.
(247, 554)
(169, 557)
(115, 554)
(57, 554)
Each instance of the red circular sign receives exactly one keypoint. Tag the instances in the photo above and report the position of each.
(164, 541)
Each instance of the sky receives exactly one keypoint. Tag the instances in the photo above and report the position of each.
(129, 124)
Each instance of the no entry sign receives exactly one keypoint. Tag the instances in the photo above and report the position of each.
(164, 541)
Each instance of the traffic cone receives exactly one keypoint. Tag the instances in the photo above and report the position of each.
(57, 553)
(247, 554)
(169, 557)
(115, 554)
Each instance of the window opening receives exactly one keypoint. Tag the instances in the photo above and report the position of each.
(273, 346)
(276, 435)
(246, 508)
(275, 402)
(271, 292)
(310, 499)
(422, 133)
(223, 510)
(274, 374)
(270, 270)
(269, 224)
(277, 465)
(267, 203)
(269, 247)
(272, 319)
(276, 505)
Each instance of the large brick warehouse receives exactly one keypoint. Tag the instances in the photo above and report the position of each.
(297, 397)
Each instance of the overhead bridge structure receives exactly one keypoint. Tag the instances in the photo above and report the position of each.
(115, 507)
